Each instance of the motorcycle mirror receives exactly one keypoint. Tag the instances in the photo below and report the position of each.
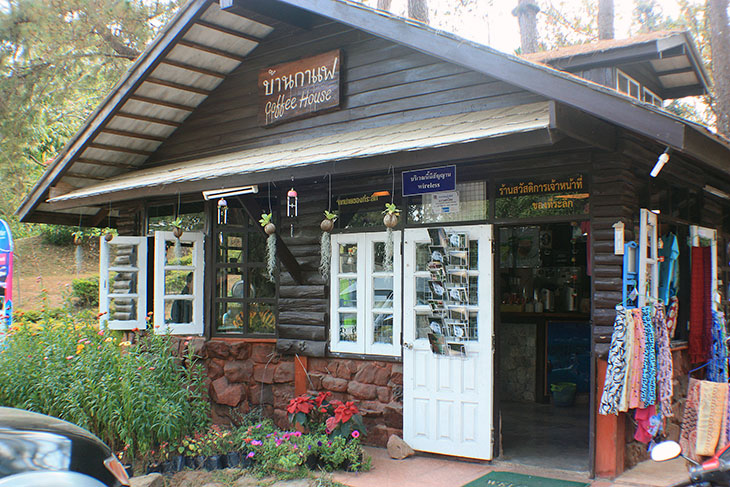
(666, 450)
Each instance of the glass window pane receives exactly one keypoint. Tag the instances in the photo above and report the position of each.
(379, 257)
(348, 293)
(179, 310)
(469, 204)
(382, 292)
(230, 318)
(231, 283)
(122, 309)
(122, 255)
(348, 258)
(256, 246)
(382, 328)
(473, 255)
(261, 287)
(473, 332)
(179, 282)
(178, 253)
(261, 318)
(348, 327)
(122, 282)
(423, 256)
(230, 248)
(423, 293)
(422, 326)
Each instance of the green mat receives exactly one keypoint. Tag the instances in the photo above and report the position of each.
(510, 479)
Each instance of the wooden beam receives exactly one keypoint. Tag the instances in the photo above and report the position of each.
(99, 217)
(134, 135)
(144, 118)
(285, 256)
(194, 69)
(583, 127)
(301, 381)
(178, 86)
(74, 174)
(115, 148)
(162, 103)
(687, 69)
(269, 13)
(224, 30)
(95, 162)
(212, 50)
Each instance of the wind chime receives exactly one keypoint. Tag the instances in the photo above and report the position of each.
(292, 206)
(222, 212)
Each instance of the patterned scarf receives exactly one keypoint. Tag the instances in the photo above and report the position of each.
(616, 369)
(717, 368)
(664, 366)
(648, 373)
(628, 319)
(637, 360)
(688, 434)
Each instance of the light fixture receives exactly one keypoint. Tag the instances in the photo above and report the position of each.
(663, 159)
(222, 193)
(716, 192)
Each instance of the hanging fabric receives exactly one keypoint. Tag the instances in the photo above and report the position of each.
(617, 366)
(648, 424)
(668, 268)
(672, 314)
(648, 373)
(630, 350)
(664, 367)
(712, 407)
(717, 367)
(688, 434)
(636, 368)
(700, 305)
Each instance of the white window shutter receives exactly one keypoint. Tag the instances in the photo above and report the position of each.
(178, 304)
(123, 282)
(648, 257)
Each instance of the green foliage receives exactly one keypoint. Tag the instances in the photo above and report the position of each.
(330, 215)
(133, 396)
(86, 291)
(57, 234)
(265, 219)
(391, 209)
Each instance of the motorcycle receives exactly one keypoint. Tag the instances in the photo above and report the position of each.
(714, 472)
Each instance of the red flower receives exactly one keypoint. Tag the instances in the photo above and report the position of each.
(322, 397)
(301, 404)
(343, 413)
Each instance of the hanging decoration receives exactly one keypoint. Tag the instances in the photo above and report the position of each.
(109, 232)
(222, 212)
(78, 239)
(270, 230)
(327, 225)
(390, 220)
(292, 203)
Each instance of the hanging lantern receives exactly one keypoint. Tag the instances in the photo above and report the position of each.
(222, 212)
(292, 203)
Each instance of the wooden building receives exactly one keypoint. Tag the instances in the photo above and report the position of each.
(502, 276)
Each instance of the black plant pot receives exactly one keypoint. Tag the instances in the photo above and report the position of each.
(178, 462)
(190, 462)
(199, 461)
(246, 462)
(233, 459)
(315, 463)
(214, 462)
(154, 468)
(168, 468)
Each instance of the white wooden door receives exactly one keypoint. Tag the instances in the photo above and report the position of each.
(447, 405)
(123, 282)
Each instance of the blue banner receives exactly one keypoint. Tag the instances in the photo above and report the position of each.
(430, 180)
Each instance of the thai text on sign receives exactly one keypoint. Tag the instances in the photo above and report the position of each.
(299, 88)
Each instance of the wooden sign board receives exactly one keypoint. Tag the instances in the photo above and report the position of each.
(300, 88)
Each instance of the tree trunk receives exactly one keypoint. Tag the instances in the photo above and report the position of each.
(605, 19)
(720, 47)
(384, 4)
(418, 10)
(526, 13)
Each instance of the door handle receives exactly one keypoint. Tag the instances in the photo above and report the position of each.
(408, 346)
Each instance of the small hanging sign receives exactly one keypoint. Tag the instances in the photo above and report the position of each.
(432, 180)
(618, 238)
(445, 202)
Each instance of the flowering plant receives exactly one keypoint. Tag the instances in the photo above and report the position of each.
(318, 412)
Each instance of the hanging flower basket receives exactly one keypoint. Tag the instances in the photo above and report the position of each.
(270, 230)
(328, 224)
(391, 213)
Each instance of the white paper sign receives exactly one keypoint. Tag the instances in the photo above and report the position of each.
(445, 202)
(618, 238)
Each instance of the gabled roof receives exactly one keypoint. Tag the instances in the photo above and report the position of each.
(207, 42)
(669, 57)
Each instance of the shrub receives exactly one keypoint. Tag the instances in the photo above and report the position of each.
(133, 396)
(57, 234)
(319, 413)
(86, 291)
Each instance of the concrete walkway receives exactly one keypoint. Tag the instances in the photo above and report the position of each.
(440, 471)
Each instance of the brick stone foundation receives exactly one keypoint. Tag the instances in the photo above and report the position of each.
(243, 375)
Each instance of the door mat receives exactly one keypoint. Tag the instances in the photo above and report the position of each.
(511, 479)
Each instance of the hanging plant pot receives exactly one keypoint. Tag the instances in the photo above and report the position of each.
(325, 248)
(108, 236)
(177, 231)
(78, 239)
(390, 220)
(270, 229)
(327, 225)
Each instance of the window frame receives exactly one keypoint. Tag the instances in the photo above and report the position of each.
(196, 326)
(653, 99)
(629, 83)
(364, 309)
(105, 294)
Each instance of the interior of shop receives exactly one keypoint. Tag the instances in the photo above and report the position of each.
(544, 344)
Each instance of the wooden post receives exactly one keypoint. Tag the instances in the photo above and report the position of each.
(301, 383)
(610, 433)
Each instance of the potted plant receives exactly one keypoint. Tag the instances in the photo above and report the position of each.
(177, 227)
(78, 237)
(109, 233)
(325, 247)
(390, 220)
(270, 230)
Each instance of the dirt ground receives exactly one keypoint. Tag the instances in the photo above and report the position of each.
(39, 265)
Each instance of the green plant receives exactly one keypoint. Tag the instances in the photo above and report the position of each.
(330, 215)
(391, 209)
(318, 413)
(86, 291)
(177, 223)
(56, 234)
(265, 219)
(133, 396)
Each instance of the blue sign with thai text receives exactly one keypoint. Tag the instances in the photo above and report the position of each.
(430, 180)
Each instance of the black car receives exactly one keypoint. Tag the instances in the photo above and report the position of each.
(41, 450)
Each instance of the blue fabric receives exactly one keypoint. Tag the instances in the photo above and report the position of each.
(648, 373)
(718, 364)
(668, 268)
